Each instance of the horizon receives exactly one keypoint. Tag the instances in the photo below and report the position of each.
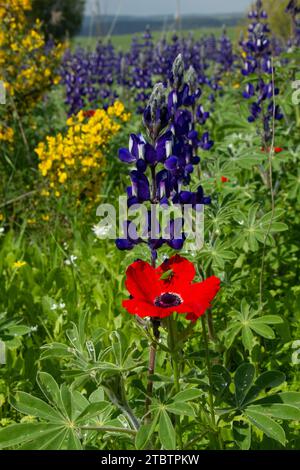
(137, 8)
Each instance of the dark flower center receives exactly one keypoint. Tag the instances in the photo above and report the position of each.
(168, 299)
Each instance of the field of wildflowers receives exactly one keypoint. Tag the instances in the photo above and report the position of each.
(149, 239)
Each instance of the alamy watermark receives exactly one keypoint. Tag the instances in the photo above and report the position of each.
(296, 353)
(296, 93)
(2, 92)
(154, 221)
(2, 352)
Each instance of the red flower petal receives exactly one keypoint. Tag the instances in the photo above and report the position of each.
(224, 179)
(183, 271)
(142, 281)
(146, 309)
(278, 149)
(202, 294)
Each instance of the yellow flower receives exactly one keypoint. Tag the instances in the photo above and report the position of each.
(1, 217)
(236, 85)
(45, 217)
(73, 158)
(19, 264)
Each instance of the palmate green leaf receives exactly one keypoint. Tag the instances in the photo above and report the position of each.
(242, 434)
(187, 395)
(277, 410)
(167, 435)
(267, 380)
(72, 441)
(27, 404)
(243, 380)
(267, 425)
(249, 160)
(49, 441)
(16, 434)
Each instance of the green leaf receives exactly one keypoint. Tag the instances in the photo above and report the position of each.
(243, 380)
(221, 380)
(263, 330)
(187, 395)
(242, 434)
(92, 410)
(166, 274)
(290, 398)
(167, 434)
(270, 379)
(49, 388)
(20, 433)
(97, 395)
(145, 432)
(180, 408)
(48, 441)
(66, 398)
(30, 405)
(73, 442)
(270, 319)
(267, 426)
(231, 334)
(277, 410)
(247, 337)
(19, 330)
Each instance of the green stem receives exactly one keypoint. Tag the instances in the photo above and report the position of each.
(210, 394)
(172, 341)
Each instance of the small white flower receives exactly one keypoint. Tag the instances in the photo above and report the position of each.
(1, 230)
(34, 328)
(62, 305)
(54, 307)
(71, 261)
(101, 231)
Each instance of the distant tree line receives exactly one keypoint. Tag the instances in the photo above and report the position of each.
(130, 25)
(61, 18)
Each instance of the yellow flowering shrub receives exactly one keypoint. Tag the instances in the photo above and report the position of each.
(27, 64)
(6, 134)
(71, 160)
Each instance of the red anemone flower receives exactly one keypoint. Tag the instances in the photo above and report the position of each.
(224, 179)
(167, 289)
(276, 149)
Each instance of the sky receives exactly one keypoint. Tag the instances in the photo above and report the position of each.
(166, 7)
